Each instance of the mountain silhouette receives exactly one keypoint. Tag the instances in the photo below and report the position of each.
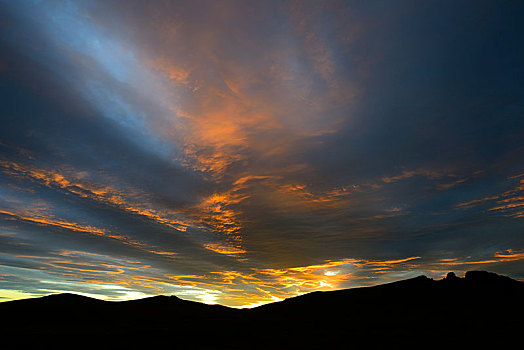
(480, 309)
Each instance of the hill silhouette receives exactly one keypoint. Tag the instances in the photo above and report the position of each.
(480, 309)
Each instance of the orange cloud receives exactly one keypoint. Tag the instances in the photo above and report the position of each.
(333, 197)
(509, 202)
(102, 193)
(406, 174)
(41, 220)
(215, 212)
(388, 263)
(68, 225)
(224, 249)
(498, 257)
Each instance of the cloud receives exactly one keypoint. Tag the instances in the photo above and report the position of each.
(242, 153)
(509, 202)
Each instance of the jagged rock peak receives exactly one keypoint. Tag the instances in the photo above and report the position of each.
(451, 276)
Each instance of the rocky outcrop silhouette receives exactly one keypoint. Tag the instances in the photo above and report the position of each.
(480, 309)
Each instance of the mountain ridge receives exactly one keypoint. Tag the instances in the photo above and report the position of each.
(474, 275)
(478, 308)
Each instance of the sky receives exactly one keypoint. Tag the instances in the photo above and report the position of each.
(243, 152)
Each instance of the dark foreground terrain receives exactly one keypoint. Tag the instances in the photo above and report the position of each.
(482, 310)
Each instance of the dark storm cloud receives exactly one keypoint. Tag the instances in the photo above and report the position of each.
(240, 152)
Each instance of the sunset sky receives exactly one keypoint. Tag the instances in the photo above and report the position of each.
(242, 152)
